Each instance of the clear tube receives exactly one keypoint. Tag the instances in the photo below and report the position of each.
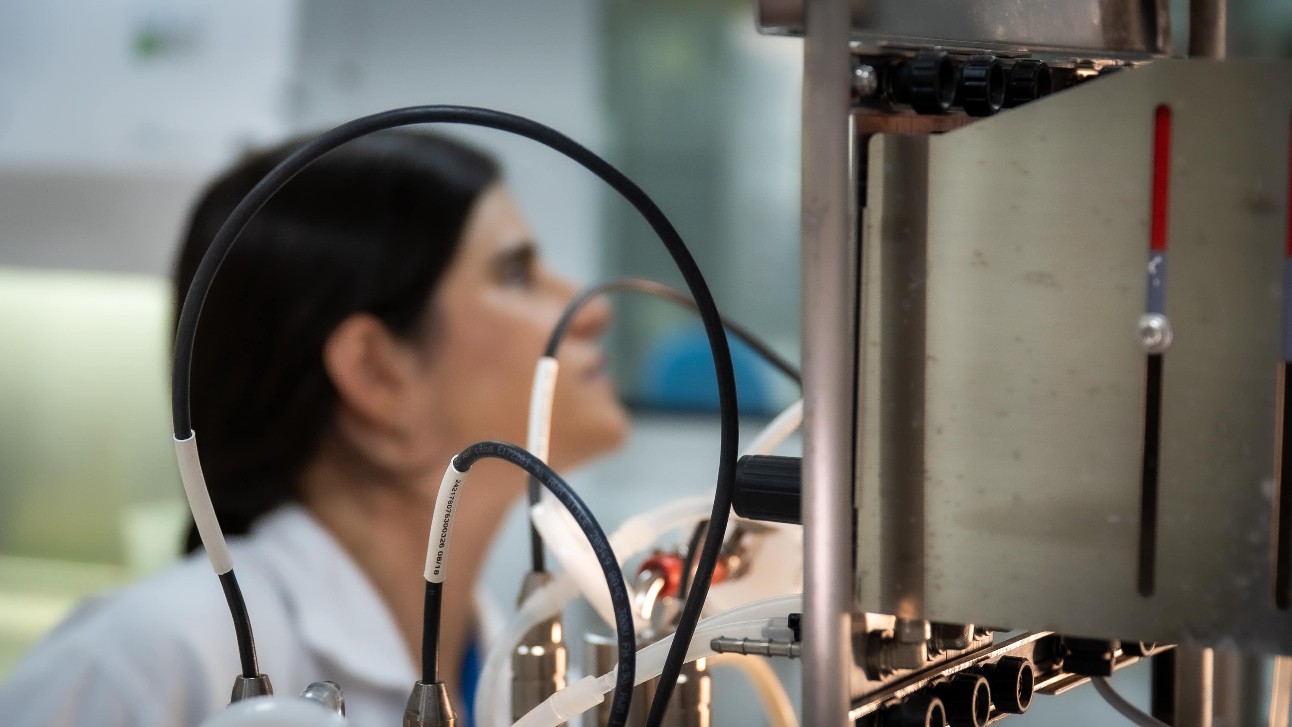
(776, 702)
(582, 574)
(778, 430)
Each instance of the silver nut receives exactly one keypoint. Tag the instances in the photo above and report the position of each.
(1154, 332)
(865, 80)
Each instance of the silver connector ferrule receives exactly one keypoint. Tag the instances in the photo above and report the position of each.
(757, 647)
(429, 706)
(244, 688)
(540, 660)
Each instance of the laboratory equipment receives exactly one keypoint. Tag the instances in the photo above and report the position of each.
(1045, 307)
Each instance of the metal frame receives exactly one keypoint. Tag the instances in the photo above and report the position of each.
(829, 327)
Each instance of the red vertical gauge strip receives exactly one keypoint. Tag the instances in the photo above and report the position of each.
(1162, 179)
(1149, 488)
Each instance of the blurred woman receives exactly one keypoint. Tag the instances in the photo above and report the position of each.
(383, 311)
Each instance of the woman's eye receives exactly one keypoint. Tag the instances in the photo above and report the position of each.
(519, 273)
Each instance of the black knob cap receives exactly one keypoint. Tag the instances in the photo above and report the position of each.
(919, 710)
(1012, 680)
(927, 82)
(1029, 79)
(967, 699)
(769, 488)
(982, 86)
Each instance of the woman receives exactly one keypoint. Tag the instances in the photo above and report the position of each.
(383, 311)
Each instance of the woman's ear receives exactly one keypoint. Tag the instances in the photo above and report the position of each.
(374, 374)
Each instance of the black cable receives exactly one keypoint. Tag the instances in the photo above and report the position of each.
(537, 557)
(241, 625)
(310, 151)
(431, 608)
(692, 552)
(619, 601)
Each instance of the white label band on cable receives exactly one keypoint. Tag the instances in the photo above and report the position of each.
(199, 502)
(540, 407)
(437, 551)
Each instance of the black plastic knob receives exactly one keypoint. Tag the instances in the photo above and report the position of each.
(927, 82)
(967, 699)
(769, 488)
(982, 86)
(1029, 79)
(1012, 680)
(919, 710)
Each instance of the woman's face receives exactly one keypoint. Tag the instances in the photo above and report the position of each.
(490, 319)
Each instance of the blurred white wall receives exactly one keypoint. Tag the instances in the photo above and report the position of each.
(539, 59)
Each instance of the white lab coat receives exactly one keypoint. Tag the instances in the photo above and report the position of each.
(162, 652)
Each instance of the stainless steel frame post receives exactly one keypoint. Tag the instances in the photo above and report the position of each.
(829, 331)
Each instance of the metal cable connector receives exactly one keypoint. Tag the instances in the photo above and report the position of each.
(429, 706)
(757, 647)
(244, 688)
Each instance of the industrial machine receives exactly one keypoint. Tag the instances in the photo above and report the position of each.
(1046, 339)
(1047, 335)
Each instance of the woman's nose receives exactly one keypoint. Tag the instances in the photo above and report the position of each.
(593, 318)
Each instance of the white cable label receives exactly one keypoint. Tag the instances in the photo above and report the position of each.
(437, 551)
(199, 503)
(541, 396)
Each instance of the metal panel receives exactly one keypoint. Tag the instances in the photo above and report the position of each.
(1003, 390)
(1096, 26)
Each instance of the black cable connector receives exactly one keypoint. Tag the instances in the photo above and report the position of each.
(625, 632)
(191, 310)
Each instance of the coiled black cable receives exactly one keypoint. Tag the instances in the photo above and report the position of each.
(537, 558)
(623, 608)
(310, 151)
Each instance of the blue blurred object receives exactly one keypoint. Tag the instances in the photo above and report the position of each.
(678, 375)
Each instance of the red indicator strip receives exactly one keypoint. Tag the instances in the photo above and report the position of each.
(1161, 177)
(1160, 203)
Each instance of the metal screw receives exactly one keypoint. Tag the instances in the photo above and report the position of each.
(1154, 333)
(865, 81)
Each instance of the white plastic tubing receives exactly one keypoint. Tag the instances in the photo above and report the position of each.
(750, 621)
(635, 535)
(199, 502)
(561, 535)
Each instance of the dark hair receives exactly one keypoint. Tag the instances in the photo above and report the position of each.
(371, 227)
